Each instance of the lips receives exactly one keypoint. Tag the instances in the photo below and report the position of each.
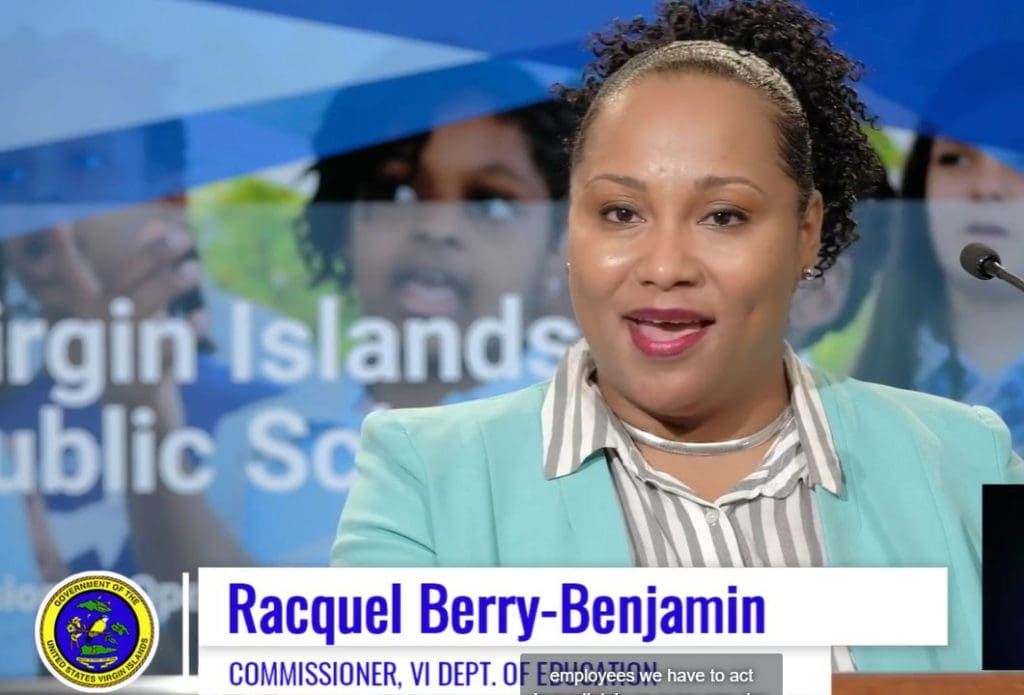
(667, 332)
(430, 291)
(989, 231)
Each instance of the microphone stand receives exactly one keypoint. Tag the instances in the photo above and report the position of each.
(996, 269)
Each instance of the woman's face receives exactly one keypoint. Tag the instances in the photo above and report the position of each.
(972, 196)
(453, 231)
(686, 243)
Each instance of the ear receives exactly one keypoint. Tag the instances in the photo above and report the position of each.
(819, 302)
(809, 242)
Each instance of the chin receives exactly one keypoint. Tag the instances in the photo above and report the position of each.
(667, 398)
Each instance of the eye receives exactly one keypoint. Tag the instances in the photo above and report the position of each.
(404, 193)
(388, 190)
(89, 161)
(953, 159)
(12, 175)
(726, 217)
(620, 214)
(494, 209)
(492, 204)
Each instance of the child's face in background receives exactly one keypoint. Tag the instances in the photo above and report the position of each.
(105, 241)
(973, 196)
(107, 170)
(448, 233)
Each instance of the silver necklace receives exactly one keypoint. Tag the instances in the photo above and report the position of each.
(711, 448)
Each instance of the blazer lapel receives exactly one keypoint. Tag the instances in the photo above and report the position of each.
(599, 534)
(886, 514)
(570, 521)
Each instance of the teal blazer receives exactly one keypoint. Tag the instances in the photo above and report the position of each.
(463, 485)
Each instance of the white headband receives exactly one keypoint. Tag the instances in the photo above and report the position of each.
(749, 67)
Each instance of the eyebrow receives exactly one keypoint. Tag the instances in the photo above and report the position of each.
(627, 181)
(703, 183)
(709, 181)
(500, 169)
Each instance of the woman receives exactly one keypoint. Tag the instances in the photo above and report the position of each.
(940, 330)
(716, 164)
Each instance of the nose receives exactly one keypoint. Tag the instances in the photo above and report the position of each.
(668, 256)
(992, 180)
(441, 224)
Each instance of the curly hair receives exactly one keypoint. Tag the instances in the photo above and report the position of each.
(822, 142)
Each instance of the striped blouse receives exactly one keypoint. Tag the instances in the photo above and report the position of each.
(769, 519)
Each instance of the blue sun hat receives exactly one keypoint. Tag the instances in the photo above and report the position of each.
(1013, 158)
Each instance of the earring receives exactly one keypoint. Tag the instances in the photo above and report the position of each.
(567, 266)
(808, 273)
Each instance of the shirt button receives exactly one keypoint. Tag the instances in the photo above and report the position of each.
(711, 516)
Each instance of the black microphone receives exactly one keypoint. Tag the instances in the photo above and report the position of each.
(983, 262)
